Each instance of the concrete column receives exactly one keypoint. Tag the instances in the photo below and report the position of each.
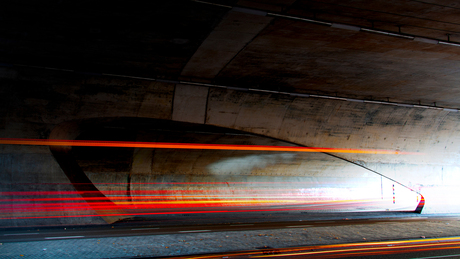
(190, 103)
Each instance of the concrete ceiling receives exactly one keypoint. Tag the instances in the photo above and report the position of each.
(255, 47)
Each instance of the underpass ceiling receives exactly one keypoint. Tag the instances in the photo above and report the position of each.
(159, 38)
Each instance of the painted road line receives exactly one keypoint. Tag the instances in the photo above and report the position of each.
(191, 231)
(144, 228)
(21, 234)
(64, 237)
(300, 226)
(240, 225)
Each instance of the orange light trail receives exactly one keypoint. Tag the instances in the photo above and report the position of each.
(145, 192)
(348, 250)
(366, 251)
(131, 144)
(176, 183)
(32, 210)
(116, 198)
(42, 204)
(227, 210)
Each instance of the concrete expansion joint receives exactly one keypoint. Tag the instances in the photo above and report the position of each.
(372, 29)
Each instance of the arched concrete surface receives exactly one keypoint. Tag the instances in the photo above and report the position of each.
(82, 184)
(124, 62)
(311, 179)
(314, 122)
(119, 183)
(305, 121)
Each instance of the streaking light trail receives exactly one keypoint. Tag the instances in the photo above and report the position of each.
(401, 248)
(132, 144)
(43, 214)
(58, 204)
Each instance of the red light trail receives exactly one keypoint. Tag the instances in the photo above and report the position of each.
(131, 144)
(171, 200)
(108, 208)
(50, 204)
(349, 250)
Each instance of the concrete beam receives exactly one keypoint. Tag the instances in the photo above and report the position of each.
(229, 37)
(190, 103)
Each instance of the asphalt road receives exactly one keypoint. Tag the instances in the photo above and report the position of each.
(207, 223)
(262, 231)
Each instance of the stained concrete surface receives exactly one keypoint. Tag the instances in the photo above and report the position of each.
(173, 39)
(218, 242)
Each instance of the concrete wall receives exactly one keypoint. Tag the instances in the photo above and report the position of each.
(328, 123)
(33, 102)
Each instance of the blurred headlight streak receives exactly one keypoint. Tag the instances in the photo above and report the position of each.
(33, 204)
(351, 250)
(193, 194)
(87, 143)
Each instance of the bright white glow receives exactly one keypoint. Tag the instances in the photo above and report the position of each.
(245, 164)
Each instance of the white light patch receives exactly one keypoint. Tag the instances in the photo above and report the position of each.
(246, 164)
